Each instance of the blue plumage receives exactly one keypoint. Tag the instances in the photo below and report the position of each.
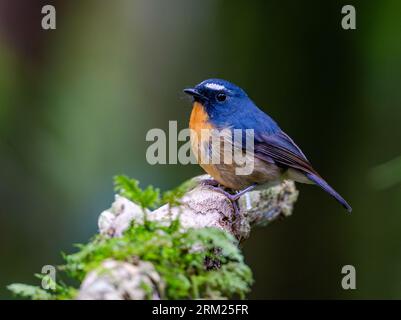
(277, 156)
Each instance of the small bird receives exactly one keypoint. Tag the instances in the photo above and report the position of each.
(221, 105)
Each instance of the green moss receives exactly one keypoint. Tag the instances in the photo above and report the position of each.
(150, 197)
(172, 254)
(196, 263)
(27, 291)
(173, 197)
(129, 188)
(61, 292)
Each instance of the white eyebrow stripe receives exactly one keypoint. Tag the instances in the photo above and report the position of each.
(215, 86)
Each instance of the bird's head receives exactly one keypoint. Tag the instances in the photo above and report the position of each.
(218, 96)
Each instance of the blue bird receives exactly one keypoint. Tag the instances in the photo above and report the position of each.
(221, 105)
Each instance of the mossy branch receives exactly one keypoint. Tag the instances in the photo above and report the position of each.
(185, 249)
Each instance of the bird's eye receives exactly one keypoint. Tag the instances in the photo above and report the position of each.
(221, 97)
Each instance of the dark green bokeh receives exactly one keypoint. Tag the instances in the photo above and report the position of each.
(76, 103)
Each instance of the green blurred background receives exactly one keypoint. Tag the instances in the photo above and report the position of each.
(76, 103)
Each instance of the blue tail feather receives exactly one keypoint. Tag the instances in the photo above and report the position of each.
(325, 186)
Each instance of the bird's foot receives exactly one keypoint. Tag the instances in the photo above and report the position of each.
(214, 185)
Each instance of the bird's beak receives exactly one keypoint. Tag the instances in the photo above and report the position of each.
(195, 93)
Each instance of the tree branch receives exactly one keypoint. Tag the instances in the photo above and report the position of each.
(200, 207)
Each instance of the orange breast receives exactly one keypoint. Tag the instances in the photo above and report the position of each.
(225, 174)
(200, 121)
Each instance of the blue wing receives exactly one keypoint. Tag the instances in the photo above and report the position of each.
(280, 148)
